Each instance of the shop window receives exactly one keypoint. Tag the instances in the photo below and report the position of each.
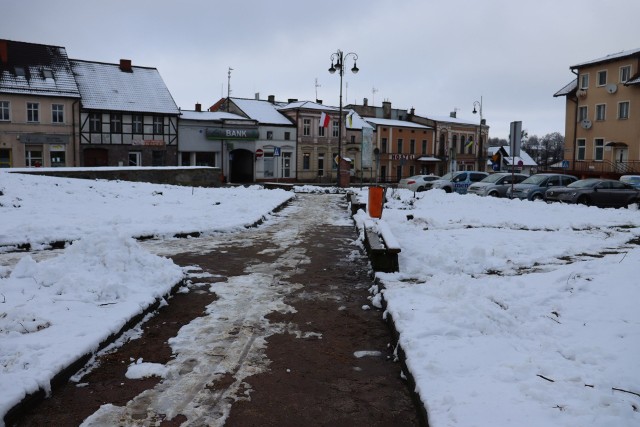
(135, 158)
(58, 159)
(5, 158)
(33, 156)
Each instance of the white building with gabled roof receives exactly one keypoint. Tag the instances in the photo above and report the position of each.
(267, 151)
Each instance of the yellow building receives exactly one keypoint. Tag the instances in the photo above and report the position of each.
(602, 123)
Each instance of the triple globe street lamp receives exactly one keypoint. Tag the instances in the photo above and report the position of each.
(337, 64)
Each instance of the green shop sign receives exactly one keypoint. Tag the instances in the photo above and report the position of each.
(232, 133)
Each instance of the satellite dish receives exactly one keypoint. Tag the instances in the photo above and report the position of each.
(586, 124)
(611, 88)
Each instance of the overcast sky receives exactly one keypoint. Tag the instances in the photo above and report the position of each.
(433, 55)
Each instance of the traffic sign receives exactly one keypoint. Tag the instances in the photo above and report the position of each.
(276, 151)
(565, 164)
(259, 152)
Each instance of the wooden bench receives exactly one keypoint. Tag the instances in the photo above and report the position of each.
(383, 258)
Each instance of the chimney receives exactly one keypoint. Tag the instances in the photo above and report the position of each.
(272, 99)
(257, 96)
(125, 65)
(318, 101)
(4, 51)
(365, 102)
(386, 109)
(292, 100)
(412, 111)
(198, 107)
(453, 114)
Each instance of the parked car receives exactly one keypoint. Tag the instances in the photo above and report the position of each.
(416, 182)
(631, 179)
(534, 187)
(604, 193)
(496, 184)
(456, 181)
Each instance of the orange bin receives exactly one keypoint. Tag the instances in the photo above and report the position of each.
(376, 201)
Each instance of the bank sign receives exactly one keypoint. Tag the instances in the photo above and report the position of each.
(237, 133)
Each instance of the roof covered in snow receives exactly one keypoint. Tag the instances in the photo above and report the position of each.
(611, 57)
(355, 121)
(35, 69)
(108, 87)
(396, 123)
(308, 105)
(567, 89)
(210, 115)
(264, 112)
(527, 160)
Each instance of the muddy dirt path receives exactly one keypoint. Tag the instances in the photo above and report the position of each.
(274, 331)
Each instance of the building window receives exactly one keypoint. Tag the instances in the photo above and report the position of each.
(57, 113)
(320, 130)
(412, 146)
(383, 145)
(135, 158)
(115, 122)
(398, 173)
(4, 111)
(601, 110)
(320, 164)
(58, 159)
(306, 127)
(158, 125)
(306, 161)
(602, 78)
(598, 149)
(95, 122)
(33, 112)
(336, 127)
(287, 136)
(462, 144)
(424, 146)
(625, 73)
(267, 163)
(623, 110)
(334, 164)
(582, 149)
(582, 113)
(269, 134)
(412, 170)
(353, 139)
(399, 146)
(136, 123)
(33, 156)
(584, 81)
(286, 165)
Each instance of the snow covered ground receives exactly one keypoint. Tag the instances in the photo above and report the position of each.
(510, 312)
(515, 312)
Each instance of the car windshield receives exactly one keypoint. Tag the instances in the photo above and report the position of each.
(584, 183)
(535, 179)
(631, 179)
(493, 178)
(448, 176)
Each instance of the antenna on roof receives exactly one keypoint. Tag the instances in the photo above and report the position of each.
(317, 86)
(373, 96)
(229, 82)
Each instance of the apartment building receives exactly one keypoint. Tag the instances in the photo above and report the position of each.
(602, 121)
(39, 100)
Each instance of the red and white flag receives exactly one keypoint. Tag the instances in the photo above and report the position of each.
(324, 120)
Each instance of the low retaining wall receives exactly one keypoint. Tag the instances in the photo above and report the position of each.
(186, 176)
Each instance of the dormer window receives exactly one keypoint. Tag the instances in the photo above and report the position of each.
(20, 72)
(47, 74)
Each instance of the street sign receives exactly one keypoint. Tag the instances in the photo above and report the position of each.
(495, 167)
(259, 152)
(276, 151)
(565, 164)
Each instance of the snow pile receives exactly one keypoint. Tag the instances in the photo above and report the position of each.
(59, 309)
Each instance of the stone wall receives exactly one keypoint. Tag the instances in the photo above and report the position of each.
(187, 176)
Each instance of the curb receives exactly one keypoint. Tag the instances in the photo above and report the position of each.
(16, 412)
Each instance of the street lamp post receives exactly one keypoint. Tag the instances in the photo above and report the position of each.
(477, 107)
(337, 64)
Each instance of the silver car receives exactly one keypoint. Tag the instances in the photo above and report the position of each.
(416, 182)
(496, 185)
(534, 187)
